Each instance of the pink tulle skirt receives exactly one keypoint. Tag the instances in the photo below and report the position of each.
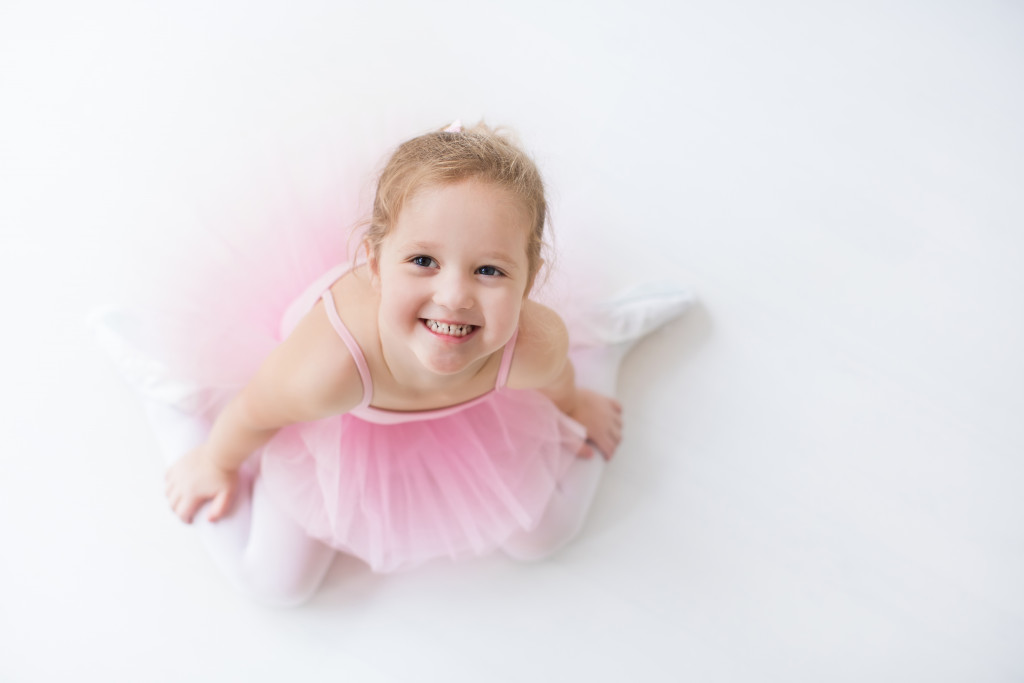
(395, 495)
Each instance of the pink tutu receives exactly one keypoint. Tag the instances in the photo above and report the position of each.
(401, 488)
(395, 492)
(397, 495)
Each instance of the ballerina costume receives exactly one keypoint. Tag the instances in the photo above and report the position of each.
(395, 489)
(398, 488)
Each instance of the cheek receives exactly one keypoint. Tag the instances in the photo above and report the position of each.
(510, 304)
(396, 299)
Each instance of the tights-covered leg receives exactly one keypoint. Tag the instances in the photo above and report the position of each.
(605, 335)
(259, 549)
(597, 368)
(564, 516)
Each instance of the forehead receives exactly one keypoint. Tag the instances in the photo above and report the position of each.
(470, 210)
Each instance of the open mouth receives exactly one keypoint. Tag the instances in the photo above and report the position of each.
(449, 329)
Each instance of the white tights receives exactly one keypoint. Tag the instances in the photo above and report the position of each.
(259, 548)
(596, 368)
(264, 553)
(267, 555)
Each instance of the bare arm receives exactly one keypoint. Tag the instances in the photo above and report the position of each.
(542, 354)
(311, 375)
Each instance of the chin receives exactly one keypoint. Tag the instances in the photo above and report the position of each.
(446, 368)
(460, 360)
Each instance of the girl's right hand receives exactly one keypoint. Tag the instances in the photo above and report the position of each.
(196, 479)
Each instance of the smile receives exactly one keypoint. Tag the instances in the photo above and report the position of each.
(449, 329)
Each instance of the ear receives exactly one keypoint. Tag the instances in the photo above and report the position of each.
(373, 264)
(371, 258)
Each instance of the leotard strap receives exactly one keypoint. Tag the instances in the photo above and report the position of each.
(368, 412)
(353, 347)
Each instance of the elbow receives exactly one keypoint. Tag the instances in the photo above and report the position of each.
(250, 414)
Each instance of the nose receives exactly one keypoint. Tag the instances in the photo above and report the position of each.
(453, 291)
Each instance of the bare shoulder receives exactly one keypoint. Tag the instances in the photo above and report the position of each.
(309, 376)
(325, 373)
(541, 348)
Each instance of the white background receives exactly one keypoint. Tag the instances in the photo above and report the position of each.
(822, 472)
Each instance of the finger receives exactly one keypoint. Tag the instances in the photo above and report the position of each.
(189, 509)
(169, 474)
(608, 446)
(602, 449)
(220, 505)
(586, 451)
(607, 450)
(179, 508)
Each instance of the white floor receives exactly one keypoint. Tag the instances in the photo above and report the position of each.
(822, 476)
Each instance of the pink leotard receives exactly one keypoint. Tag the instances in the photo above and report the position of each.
(398, 488)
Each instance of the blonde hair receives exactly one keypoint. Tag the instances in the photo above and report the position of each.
(444, 157)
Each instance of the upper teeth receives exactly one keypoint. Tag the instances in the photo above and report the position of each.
(445, 328)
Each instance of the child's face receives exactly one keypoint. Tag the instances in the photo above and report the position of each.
(453, 274)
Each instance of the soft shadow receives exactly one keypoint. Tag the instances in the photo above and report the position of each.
(653, 390)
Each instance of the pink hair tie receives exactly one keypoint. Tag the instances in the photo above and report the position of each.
(456, 127)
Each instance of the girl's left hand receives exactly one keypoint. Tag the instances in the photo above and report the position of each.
(602, 417)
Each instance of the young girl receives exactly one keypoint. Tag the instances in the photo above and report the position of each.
(420, 405)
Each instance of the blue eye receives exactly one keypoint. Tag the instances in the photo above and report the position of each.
(489, 270)
(423, 261)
